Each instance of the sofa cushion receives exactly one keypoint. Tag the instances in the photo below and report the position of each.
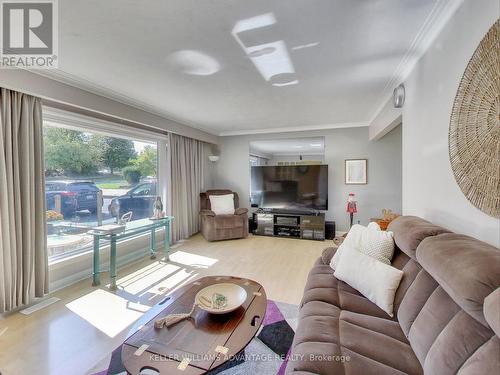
(435, 314)
(441, 312)
(409, 231)
(378, 346)
(414, 299)
(313, 357)
(322, 286)
(328, 254)
(334, 341)
(485, 360)
(492, 311)
(320, 267)
(466, 268)
(458, 341)
(410, 270)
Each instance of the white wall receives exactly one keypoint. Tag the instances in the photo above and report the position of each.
(384, 169)
(429, 187)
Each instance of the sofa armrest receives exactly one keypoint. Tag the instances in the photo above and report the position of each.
(240, 211)
(328, 254)
(207, 213)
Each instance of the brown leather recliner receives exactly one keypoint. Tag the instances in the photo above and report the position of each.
(222, 227)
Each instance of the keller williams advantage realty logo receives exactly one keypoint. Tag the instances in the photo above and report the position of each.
(28, 34)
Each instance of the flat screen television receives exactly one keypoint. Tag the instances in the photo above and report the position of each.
(290, 187)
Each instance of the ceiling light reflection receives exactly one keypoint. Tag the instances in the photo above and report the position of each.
(262, 52)
(256, 22)
(193, 62)
(271, 59)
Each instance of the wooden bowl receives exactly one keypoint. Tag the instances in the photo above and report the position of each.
(235, 294)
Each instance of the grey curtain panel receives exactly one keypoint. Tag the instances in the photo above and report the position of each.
(186, 164)
(23, 250)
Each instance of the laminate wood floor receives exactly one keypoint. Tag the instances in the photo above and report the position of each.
(76, 334)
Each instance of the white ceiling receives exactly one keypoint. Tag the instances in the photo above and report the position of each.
(216, 65)
(292, 146)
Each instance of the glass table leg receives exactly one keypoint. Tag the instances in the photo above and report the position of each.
(166, 249)
(96, 274)
(112, 262)
(152, 244)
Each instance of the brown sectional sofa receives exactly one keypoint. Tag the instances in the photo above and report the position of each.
(446, 320)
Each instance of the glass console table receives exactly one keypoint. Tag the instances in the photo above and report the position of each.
(131, 229)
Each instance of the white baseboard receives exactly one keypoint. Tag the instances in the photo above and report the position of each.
(41, 305)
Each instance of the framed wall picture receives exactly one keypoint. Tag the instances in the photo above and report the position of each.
(356, 171)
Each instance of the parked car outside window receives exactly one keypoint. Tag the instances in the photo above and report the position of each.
(75, 196)
(138, 200)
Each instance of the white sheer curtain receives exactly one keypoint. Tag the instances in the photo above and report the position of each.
(23, 251)
(186, 182)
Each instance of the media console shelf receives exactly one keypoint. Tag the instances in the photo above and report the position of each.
(310, 226)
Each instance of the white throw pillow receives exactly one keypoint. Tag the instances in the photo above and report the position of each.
(375, 280)
(373, 226)
(352, 240)
(378, 244)
(368, 240)
(222, 204)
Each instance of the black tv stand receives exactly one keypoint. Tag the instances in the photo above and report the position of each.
(293, 224)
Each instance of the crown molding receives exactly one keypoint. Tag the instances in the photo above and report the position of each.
(293, 129)
(85, 84)
(439, 16)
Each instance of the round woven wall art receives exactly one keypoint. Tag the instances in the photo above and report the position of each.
(474, 135)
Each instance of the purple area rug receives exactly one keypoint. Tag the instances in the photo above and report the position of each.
(266, 354)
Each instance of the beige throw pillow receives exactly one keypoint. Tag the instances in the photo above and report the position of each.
(375, 280)
(352, 240)
(222, 204)
(378, 244)
(373, 226)
(368, 240)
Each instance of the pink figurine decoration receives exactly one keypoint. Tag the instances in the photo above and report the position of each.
(351, 207)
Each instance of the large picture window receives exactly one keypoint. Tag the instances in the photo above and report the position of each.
(94, 179)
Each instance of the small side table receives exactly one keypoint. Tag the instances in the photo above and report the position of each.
(132, 228)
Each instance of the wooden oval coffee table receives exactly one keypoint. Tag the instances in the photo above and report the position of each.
(198, 344)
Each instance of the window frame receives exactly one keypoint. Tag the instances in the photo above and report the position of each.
(59, 118)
